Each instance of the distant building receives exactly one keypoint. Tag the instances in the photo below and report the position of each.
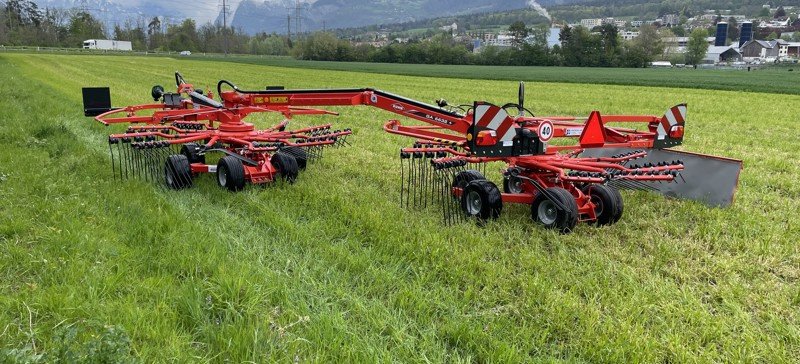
(783, 48)
(637, 23)
(775, 24)
(722, 34)
(745, 33)
(502, 40)
(591, 23)
(671, 20)
(450, 28)
(793, 49)
(721, 54)
(677, 44)
(626, 35)
(765, 49)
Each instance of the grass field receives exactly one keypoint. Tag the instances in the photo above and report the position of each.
(331, 269)
(770, 79)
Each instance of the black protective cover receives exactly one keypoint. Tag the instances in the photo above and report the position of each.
(708, 179)
(96, 100)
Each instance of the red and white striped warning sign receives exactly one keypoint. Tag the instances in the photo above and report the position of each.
(674, 116)
(495, 118)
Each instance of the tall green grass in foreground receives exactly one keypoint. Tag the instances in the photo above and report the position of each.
(331, 269)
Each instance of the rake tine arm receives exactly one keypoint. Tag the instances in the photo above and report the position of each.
(444, 150)
(311, 129)
(576, 167)
(281, 125)
(143, 134)
(311, 144)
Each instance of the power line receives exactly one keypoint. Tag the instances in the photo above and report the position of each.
(297, 18)
(225, 10)
(84, 7)
(298, 10)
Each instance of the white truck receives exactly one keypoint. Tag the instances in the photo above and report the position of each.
(105, 44)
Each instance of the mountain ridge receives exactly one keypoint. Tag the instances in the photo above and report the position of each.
(268, 16)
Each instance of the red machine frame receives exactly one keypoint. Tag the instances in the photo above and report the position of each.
(537, 174)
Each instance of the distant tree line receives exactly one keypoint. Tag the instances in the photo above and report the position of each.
(579, 48)
(475, 22)
(23, 23)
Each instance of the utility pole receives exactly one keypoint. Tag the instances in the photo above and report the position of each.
(297, 28)
(84, 8)
(10, 21)
(289, 27)
(225, 26)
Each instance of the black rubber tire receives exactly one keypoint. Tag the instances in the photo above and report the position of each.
(572, 205)
(230, 173)
(620, 204)
(482, 199)
(286, 166)
(559, 219)
(299, 154)
(191, 151)
(615, 194)
(605, 201)
(463, 178)
(513, 187)
(177, 172)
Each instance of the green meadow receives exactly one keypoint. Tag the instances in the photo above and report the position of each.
(782, 79)
(333, 269)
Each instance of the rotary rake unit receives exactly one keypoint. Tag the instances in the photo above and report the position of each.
(179, 132)
(574, 180)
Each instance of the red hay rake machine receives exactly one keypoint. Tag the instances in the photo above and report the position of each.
(178, 132)
(576, 179)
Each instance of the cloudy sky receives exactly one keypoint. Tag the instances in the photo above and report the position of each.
(201, 11)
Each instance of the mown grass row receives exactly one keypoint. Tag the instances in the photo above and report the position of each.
(332, 269)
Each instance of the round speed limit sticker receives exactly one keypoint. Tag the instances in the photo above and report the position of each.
(545, 131)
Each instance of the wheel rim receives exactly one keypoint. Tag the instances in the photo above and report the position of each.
(474, 203)
(514, 185)
(547, 212)
(598, 205)
(222, 176)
